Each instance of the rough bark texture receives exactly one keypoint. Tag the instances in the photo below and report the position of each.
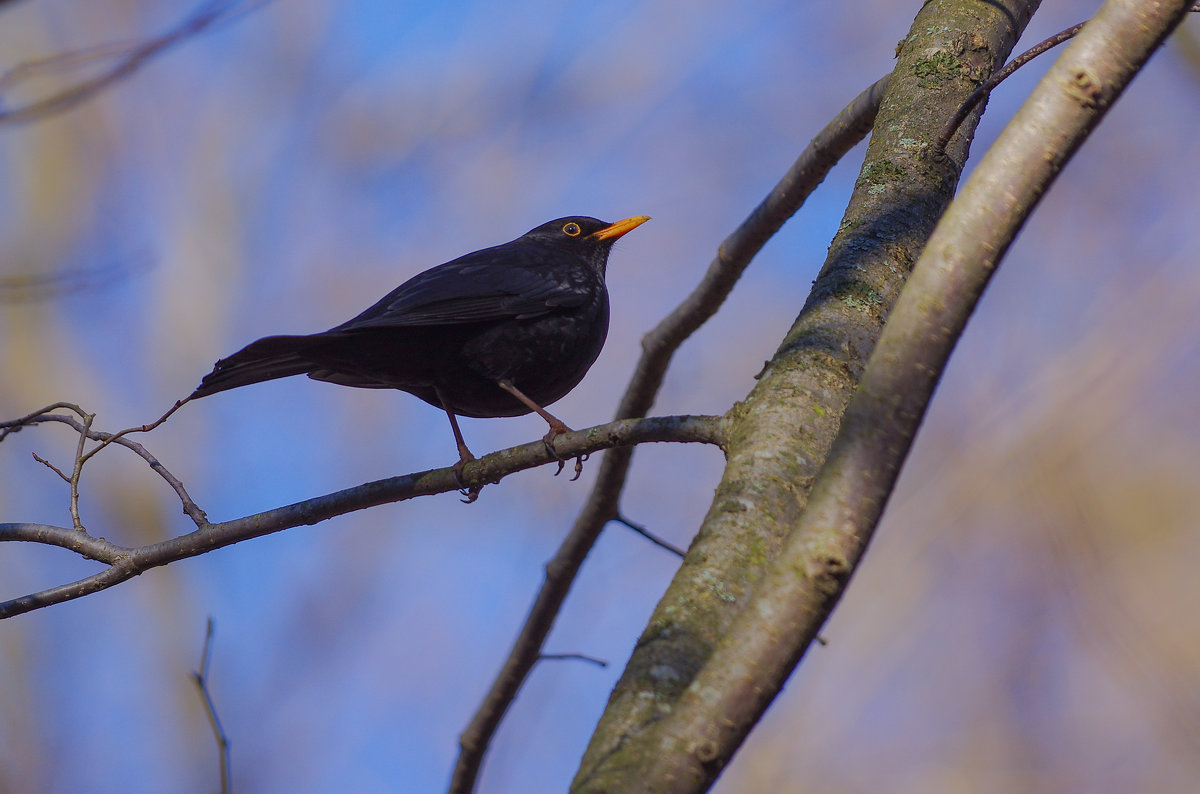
(781, 434)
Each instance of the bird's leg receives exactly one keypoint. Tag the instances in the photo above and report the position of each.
(464, 454)
(557, 428)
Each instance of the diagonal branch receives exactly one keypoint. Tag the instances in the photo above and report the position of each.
(733, 256)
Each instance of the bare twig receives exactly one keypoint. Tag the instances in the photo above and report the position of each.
(52, 467)
(108, 439)
(125, 563)
(200, 677)
(659, 346)
(1000, 76)
(44, 415)
(645, 533)
(132, 57)
(552, 657)
(77, 469)
(83, 428)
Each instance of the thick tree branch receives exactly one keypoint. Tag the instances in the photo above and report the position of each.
(658, 346)
(690, 742)
(125, 563)
(781, 434)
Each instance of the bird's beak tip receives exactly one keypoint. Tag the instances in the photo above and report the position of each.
(620, 228)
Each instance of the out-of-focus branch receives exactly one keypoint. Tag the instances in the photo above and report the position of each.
(36, 287)
(200, 679)
(686, 747)
(125, 563)
(129, 58)
(659, 346)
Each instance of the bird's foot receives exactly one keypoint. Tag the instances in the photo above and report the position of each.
(470, 492)
(557, 428)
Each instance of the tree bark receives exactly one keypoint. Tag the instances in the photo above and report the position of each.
(780, 436)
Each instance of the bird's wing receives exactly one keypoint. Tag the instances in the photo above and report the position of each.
(472, 289)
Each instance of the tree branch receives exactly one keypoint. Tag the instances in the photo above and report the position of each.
(690, 742)
(85, 431)
(781, 434)
(658, 347)
(125, 563)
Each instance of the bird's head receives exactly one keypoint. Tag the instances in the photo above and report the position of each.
(590, 237)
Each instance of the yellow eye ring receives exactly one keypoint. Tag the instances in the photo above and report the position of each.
(572, 229)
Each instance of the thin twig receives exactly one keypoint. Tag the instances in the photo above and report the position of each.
(52, 467)
(659, 346)
(997, 78)
(77, 469)
(1000, 76)
(82, 428)
(200, 677)
(551, 657)
(44, 415)
(645, 533)
(108, 439)
(11, 426)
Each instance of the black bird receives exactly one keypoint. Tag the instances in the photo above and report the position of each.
(499, 332)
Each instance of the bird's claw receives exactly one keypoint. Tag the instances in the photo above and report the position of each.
(562, 462)
(548, 440)
(471, 493)
(579, 461)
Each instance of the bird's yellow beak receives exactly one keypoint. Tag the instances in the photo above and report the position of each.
(620, 228)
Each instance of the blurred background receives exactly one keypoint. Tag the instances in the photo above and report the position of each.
(1027, 618)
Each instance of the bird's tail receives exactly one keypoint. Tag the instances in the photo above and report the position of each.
(267, 359)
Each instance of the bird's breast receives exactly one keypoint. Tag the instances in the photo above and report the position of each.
(545, 357)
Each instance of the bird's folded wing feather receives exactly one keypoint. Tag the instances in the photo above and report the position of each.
(463, 291)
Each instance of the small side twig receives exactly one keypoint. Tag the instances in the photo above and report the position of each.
(645, 533)
(988, 85)
(550, 657)
(52, 467)
(200, 678)
(44, 415)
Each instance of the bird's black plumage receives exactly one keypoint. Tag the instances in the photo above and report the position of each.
(472, 336)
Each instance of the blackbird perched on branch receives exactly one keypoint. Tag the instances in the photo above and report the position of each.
(499, 332)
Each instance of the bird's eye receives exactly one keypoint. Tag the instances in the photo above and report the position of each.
(572, 229)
